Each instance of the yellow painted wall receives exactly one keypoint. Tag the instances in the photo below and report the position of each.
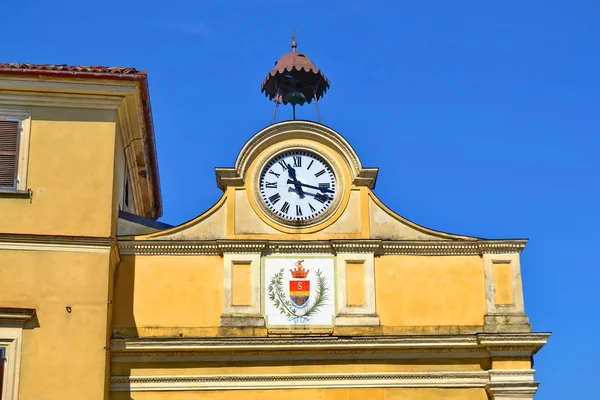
(161, 293)
(259, 367)
(71, 160)
(313, 394)
(503, 291)
(63, 354)
(171, 295)
(426, 290)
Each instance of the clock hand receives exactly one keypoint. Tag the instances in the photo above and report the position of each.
(323, 190)
(294, 181)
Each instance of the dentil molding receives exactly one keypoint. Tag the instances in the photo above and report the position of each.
(378, 247)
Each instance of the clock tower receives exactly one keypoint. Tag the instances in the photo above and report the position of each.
(301, 282)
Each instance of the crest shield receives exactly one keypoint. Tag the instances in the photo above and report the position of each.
(299, 289)
(299, 292)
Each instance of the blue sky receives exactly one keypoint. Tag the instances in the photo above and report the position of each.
(483, 117)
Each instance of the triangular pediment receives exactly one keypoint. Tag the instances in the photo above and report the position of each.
(359, 215)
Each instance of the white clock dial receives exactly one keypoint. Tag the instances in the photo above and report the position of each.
(298, 186)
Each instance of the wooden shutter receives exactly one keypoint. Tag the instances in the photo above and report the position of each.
(9, 153)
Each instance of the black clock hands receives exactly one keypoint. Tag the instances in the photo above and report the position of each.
(298, 183)
(294, 181)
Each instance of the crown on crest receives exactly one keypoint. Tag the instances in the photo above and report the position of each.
(299, 271)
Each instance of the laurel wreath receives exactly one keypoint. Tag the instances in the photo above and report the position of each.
(285, 306)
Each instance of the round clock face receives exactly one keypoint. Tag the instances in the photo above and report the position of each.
(298, 186)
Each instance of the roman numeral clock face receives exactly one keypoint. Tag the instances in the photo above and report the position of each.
(298, 186)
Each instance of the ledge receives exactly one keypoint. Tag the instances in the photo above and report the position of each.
(10, 241)
(478, 345)
(16, 315)
(444, 379)
(16, 194)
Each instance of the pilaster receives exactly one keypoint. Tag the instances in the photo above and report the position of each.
(355, 282)
(242, 285)
(504, 294)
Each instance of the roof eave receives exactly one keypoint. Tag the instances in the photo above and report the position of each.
(140, 77)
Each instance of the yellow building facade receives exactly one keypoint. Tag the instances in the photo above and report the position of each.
(299, 281)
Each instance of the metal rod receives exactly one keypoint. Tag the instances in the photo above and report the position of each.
(318, 112)
(274, 112)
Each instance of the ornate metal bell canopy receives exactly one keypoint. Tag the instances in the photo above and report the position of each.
(295, 80)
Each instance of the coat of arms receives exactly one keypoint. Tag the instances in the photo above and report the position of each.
(298, 304)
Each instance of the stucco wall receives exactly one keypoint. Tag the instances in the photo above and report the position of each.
(63, 355)
(71, 160)
(158, 295)
(428, 290)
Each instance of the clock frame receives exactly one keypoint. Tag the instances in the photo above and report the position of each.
(259, 198)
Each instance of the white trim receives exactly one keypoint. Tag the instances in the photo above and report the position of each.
(10, 340)
(54, 247)
(451, 379)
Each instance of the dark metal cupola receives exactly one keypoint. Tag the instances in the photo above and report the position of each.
(295, 80)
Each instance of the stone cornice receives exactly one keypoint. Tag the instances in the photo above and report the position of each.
(477, 345)
(54, 243)
(379, 247)
(449, 379)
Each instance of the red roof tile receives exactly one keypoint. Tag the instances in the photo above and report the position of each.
(71, 68)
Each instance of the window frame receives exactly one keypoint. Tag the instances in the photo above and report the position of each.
(24, 119)
(10, 342)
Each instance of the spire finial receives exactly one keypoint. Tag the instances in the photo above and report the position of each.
(294, 44)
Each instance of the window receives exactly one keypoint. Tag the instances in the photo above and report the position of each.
(2, 361)
(12, 321)
(14, 149)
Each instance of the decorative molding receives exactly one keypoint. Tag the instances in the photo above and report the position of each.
(268, 136)
(425, 247)
(169, 247)
(446, 247)
(55, 243)
(355, 246)
(512, 390)
(493, 339)
(451, 379)
(512, 375)
(15, 315)
(291, 247)
(74, 86)
(61, 100)
(242, 246)
(328, 347)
